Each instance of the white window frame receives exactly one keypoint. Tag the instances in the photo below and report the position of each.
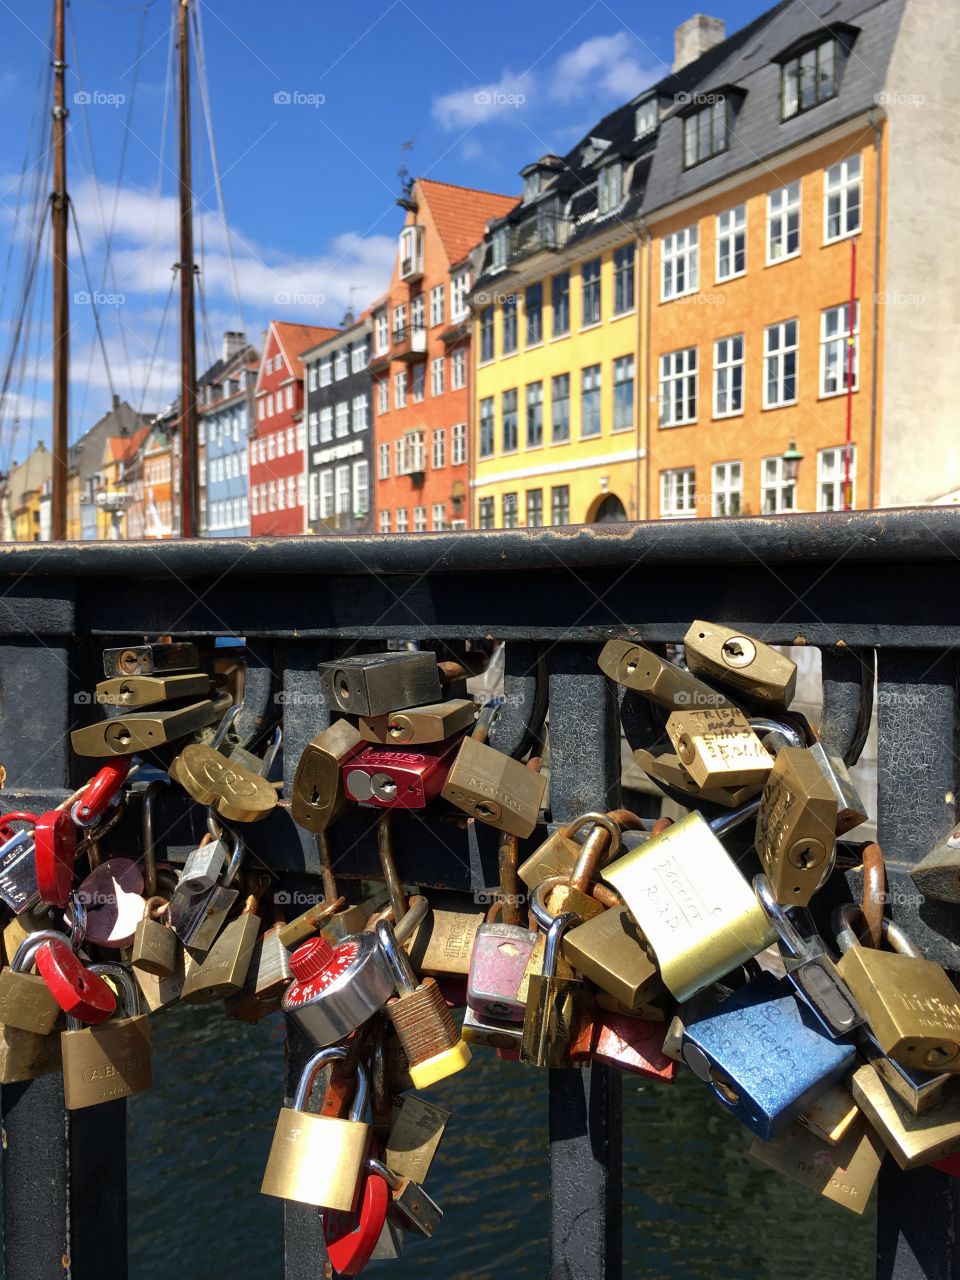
(361, 488)
(402, 521)
(326, 494)
(438, 516)
(726, 481)
(436, 305)
(438, 449)
(777, 485)
(419, 519)
(343, 504)
(778, 357)
(383, 396)
(724, 363)
(731, 229)
(400, 389)
(383, 460)
(326, 371)
(832, 477)
(458, 370)
(459, 288)
(437, 375)
(326, 423)
(361, 418)
(609, 187)
(381, 331)
(677, 368)
(680, 249)
(341, 419)
(839, 181)
(781, 205)
(313, 496)
(458, 450)
(384, 521)
(678, 493)
(835, 342)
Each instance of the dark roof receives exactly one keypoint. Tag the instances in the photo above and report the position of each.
(86, 454)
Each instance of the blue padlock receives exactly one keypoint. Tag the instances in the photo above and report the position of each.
(764, 1056)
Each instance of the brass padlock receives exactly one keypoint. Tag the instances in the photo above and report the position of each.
(845, 1174)
(415, 1133)
(317, 797)
(433, 723)
(718, 748)
(143, 731)
(558, 854)
(692, 904)
(610, 950)
(147, 691)
(112, 1059)
(369, 684)
(661, 681)
(754, 670)
(233, 791)
(831, 1115)
(25, 1055)
(223, 970)
(26, 1001)
(494, 788)
(911, 1005)
(556, 1007)
(150, 659)
(155, 946)
(318, 1159)
(911, 1139)
(666, 768)
(796, 826)
(937, 875)
(600, 846)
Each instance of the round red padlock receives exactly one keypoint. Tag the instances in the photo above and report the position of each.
(55, 851)
(352, 1237)
(79, 993)
(100, 792)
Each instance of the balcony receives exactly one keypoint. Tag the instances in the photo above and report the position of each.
(546, 230)
(411, 253)
(409, 343)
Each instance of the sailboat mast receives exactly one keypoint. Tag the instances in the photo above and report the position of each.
(189, 522)
(61, 300)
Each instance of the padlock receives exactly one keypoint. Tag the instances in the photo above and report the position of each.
(335, 989)
(602, 843)
(55, 851)
(160, 993)
(442, 944)
(660, 1010)
(544, 919)
(851, 810)
(150, 659)
(810, 971)
(629, 1044)
(691, 903)
(558, 854)
(411, 1205)
(718, 748)
(223, 970)
(144, 730)
(317, 797)
(318, 1159)
(434, 723)
(911, 1005)
(913, 1140)
(111, 1060)
(920, 1090)
(667, 769)
(610, 950)
(25, 999)
(421, 1019)
(478, 1029)
(383, 777)
(752, 669)
(79, 991)
(494, 788)
(25, 1055)
(661, 681)
(937, 875)
(845, 1174)
(155, 945)
(763, 1056)
(796, 827)
(104, 790)
(223, 785)
(196, 913)
(416, 1130)
(831, 1115)
(351, 1239)
(369, 684)
(112, 896)
(270, 970)
(18, 866)
(497, 965)
(556, 1007)
(134, 692)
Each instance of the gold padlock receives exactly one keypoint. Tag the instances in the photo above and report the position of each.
(433, 723)
(754, 670)
(601, 844)
(148, 691)
(112, 1059)
(235, 792)
(494, 788)
(610, 950)
(661, 681)
(845, 1173)
(558, 854)
(718, 748)
(795, 827)
(142, 731)
(667, 769)
(911, 1139)
(317, 797)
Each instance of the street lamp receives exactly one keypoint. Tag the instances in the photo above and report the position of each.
(791, 463)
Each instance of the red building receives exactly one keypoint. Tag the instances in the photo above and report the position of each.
(278, 476)
(420, 359)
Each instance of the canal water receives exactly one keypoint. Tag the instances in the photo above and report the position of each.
(695, 1205)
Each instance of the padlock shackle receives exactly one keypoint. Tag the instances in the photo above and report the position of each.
(24, 955)
(551, 952)
(764, 724)
(129, 1006)
(276, 742)
(312, 1069)
(788, 933)
(388, 865)
(220, 831)
(225, 724)
(149, 842)
(538, 900)
(843, 923)
(393, 1180)
(78, 921)
(397, 958)
(595, 850)
(728, 822)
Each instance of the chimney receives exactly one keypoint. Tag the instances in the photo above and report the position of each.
(694, 37)
(116, 402)
(234, 340)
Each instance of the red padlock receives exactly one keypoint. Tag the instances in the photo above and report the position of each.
(391, 778)
(55, 851)
(100, 792)
(631, 1044)
(352, 1237)
(79, 993)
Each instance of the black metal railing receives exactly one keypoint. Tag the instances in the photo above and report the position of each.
(869, 586)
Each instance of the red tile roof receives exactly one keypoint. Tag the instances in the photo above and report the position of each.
(126, 446)
(296, 338)
(462, 213)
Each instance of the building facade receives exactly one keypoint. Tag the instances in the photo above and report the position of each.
(278, 480)
(85, 478)
(338, 413)
(225, 403)
(421, 360)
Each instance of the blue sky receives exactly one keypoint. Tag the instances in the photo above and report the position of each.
(310, 104)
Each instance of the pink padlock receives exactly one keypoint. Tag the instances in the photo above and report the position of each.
(498, 962)
(113, 896)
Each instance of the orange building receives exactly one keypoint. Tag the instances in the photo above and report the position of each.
(420, 361)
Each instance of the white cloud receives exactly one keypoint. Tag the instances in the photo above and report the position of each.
(485, 102)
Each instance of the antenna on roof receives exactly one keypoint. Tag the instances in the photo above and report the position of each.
(406, 200)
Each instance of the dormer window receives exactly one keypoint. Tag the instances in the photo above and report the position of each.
(646, 119)
(411, 253)
(499, 249)
(532, 185)
(810, 78)
(609, 187)
(705, 131)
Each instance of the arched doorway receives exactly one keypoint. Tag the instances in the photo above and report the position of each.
(610, 511)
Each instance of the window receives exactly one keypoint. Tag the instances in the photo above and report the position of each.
(486, 427)
(560, 504)
(705, 133)
(646, 118)
(361, 488)
(301, 441)
(419, 519)
(261, 408)
(413, 454)
(534, 508)
(436, 376)
(831, 471)
(290, 440)
(340, 366)
(531, 185)
(678, 387)
(288, 396)
(281, 496)
(590, 291)
(458, 370)
(417, 310)
(732, 243)
(533, 307)
(398, 444)
(609, 187)
(510, 511)
(342, 418)
(459, 450)
(436, 304)
(534, 415)
(411, 250)
(783, 223)
(485, 513)
(590, 391)
(623, 393)
(360, 412)
(560, 298)
(419, 382)
(780, 364)
(508, 423)
(459, 288)
(381, 334)
(728, 376)
(401, 520)
(842, 199)
(509, 330)
(383, 461)
(383, 396)
(678, 497)
(560, 408)
(358, 356)
(438, 452)
(271, 447)
(301, 494)
(312, 378)
(400, 389)
(680, 261)
(326, 424)
(809, 79)
(439, 516)
(727, 498)
(326, 371)
(255, 495)
(776, 493)
(313, 499)
(498, 255)
(384, 521)
(270, 406)
(399, 320)
(835, 348)
(291, 491)
(486, 334)
(623, 279)
(281, 452)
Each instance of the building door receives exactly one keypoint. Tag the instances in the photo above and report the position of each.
(610, 511)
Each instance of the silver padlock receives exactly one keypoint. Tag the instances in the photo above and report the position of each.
(418, 1211)
(851, 810)
(197, 915)
(335, 989)
(18, 873)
